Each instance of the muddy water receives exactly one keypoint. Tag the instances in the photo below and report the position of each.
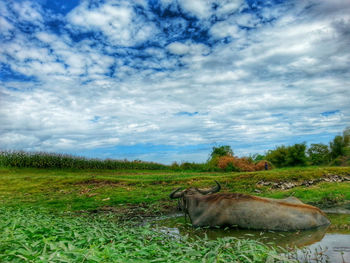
(334, 244)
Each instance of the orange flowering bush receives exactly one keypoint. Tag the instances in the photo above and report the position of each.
(226, 162)
(233, 163)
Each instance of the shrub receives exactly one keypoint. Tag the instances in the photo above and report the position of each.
(227, 163)
(236, 164)
(278, 156)
(284, 156)
(318, 154)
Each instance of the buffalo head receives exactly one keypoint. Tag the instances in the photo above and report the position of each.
(185, 195)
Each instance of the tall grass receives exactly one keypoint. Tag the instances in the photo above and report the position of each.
(22, 159)
(36, 236)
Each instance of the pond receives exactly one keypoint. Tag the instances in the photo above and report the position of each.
(329, 243)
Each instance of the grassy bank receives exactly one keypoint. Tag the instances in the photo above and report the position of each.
(71, 190)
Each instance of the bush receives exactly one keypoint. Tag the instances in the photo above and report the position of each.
(284, 156)
(278, 156)
(236, 164)
(227, 163)
(318, 154)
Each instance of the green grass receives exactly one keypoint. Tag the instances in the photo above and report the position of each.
(39, 220)
(70, 190)
(36, 236)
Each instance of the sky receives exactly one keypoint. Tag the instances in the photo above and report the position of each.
(166, 81)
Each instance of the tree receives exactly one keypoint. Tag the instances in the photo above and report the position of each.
(224, 150)
(284, 156)
(346, 138)
(318, 154)
(337, 146)
(296, 154)
(278, 156)
(340, 148)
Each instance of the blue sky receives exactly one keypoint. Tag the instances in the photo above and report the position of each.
(167, 80)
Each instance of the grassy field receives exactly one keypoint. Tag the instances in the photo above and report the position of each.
(51, 215)
(72, 190)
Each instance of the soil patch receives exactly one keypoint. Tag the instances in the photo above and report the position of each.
(134, 212)
(99, 183)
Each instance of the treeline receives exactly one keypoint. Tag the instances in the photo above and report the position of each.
(22, 159)
(222, 158)
(337, 152)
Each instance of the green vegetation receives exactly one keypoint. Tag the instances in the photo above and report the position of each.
(221, 159)
(319, 154)
(55, 160)
(49, 202)
(224, 150)
(337, 153)
(71, 190)
(287, 156)
(27, 235)
(43, 216)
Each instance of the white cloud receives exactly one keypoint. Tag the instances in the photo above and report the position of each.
(225, 29)
(178, 48)
(188, 47)
(5, 27)
(255, 89)
(117, 22)
(204, 9)
(199, 8)
(28, 11)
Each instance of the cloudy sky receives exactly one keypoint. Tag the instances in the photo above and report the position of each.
(165, 80)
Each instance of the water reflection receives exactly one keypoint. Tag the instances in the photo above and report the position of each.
(334, 246)
(177, 226)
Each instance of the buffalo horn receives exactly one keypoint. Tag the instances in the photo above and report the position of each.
(214, 189)
(174, 194)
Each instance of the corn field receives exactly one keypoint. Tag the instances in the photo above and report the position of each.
(23, 159)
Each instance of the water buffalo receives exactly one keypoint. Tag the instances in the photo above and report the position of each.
(205, 207)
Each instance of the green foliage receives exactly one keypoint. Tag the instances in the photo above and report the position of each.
(216, 153)
(224, 150)
(296, 154)
(55, 160)
(318, 154)
(258, 157)
(340, 146)
(32, 236)
(337, 146)
(278, 156)
(285, 156)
